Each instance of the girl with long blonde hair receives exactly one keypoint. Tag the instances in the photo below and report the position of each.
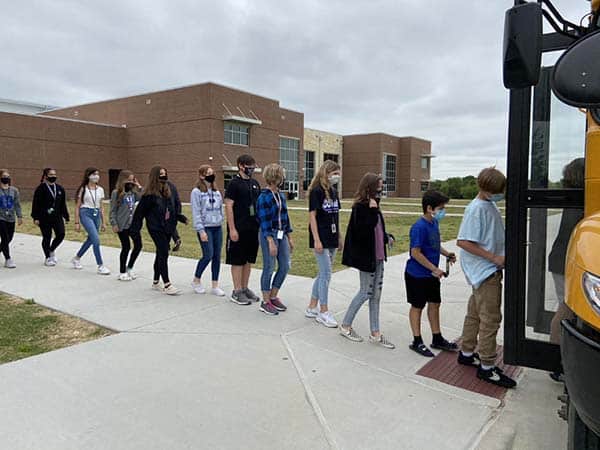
(324, 237)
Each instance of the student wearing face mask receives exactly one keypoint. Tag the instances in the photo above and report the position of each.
(10, 212)
(481, 240)
(207, 215)
(158, 207)
(324, 237)
(89, 212)
(365, 250)
(422, 275)
(242, 229)
(49, 212)
(123, 201)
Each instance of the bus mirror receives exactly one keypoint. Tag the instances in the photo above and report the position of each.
(576, 75)
(522, 46)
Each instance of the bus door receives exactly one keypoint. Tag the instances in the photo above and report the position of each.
(544, 202)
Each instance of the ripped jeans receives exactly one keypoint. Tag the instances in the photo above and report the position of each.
(371, 285)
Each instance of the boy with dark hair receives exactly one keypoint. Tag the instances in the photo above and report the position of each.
(481, 239)
(242, 228)
(422, 275)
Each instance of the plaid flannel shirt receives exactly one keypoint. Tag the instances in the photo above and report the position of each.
(267, 212)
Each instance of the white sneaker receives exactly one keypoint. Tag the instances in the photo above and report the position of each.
(10, 264)
(103, 270)
(76, 263)
(311, 313)
(327, 319)
(218, 292)
(198, 288)
(156, 287)
(171, 290)
(381, 340)
(49, 262)
(125, 277)
(53, 258)
(132, 274)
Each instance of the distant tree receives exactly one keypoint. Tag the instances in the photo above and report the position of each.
(457, 187)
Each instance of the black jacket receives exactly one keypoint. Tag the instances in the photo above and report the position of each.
(359, 246)
(45, 208)
(154, 209)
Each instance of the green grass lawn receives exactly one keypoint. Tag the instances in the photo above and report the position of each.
(303, 261)
(27, 329)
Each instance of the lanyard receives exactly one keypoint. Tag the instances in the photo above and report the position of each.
(95, 195)
(52, 191)
(130, 201)
(278, 202)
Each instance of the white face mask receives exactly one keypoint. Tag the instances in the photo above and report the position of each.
(94, 178)
(334, 179)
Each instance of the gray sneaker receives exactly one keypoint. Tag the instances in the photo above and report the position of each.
(240, 298)
(251, 295)
(349, 333)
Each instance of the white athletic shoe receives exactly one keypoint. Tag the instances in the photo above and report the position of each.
(76, 263)
(218, 292)
(198, 288)
(171, 290)
(53, 258)
(49, 262)
(132, 274)
(10, 264)
(311, 313)
(103, 270)
(125, 277)
(327, 319)
(156, 287)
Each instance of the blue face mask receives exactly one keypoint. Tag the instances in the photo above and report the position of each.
(440, 214)
(496, 198)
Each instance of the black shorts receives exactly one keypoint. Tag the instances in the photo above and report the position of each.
(243, 251)
(420, 291)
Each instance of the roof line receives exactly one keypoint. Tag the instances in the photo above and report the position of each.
(40, 116)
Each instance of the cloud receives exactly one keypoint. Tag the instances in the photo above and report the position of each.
(429, 68)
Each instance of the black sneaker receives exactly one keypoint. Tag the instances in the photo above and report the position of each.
(421, 349)
(177, 246)
(495, 376)
(557, 376)
(472, 360)
(445, 346)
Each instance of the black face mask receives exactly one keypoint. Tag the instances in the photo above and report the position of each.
(51, 179)
(5, 180)
(128, 187)
(163, 178)
(378, 194)
(210, 178)
(249, 171)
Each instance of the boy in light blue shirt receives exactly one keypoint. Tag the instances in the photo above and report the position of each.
(481, 239)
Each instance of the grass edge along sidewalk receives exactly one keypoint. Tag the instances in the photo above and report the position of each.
(28, 329)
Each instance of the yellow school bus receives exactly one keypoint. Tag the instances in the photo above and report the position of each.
(554, 78)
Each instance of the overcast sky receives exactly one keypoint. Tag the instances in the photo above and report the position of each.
(426, 68)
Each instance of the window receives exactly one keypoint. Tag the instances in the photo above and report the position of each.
(236, 134)
(424, 163)
(227, 177)
(424, 186)
(389, 173)
(309, 167)
(288, 158)
(331, 156)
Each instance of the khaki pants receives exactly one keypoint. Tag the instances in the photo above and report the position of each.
(483, 318)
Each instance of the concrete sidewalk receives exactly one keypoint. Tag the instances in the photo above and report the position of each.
(197, 371)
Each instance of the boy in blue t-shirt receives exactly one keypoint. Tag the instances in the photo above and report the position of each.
(423, 275)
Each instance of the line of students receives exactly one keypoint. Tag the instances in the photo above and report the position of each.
(259, 219)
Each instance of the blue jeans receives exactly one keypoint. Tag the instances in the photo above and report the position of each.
(320, 289)
(267, 281)
(91, 224)
(371, 285)
(211, 251)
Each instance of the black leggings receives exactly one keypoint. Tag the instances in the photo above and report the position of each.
(161, 241)
(7, 232)
(125, 237)
(59, 235)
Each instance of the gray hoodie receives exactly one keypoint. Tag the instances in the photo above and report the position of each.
(207, 209)
(121, 211)
(10, 205)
